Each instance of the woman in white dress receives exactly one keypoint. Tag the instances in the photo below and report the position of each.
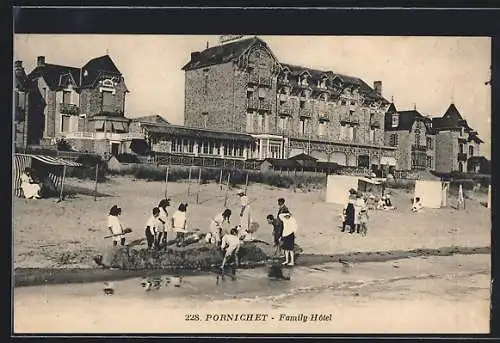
(163, 218)
(31, 190)
(115, 227)
(288, 237)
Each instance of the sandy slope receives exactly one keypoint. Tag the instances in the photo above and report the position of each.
(49, 234)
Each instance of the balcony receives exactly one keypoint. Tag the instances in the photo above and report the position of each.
(70, 109)
(265, 106)
(305, 113)
(462, 157)
(416, 147)
(103, 135)
(285, 111)
(323, 117)
(259, 80)
(346, 118)
(253, 104)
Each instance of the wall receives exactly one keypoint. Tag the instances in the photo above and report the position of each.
(91, 99)
(96, 146)
(445, 152)
(217, 102)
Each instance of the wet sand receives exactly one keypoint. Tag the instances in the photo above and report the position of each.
(417, 295)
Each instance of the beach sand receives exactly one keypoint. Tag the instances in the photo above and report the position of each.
(420, 295)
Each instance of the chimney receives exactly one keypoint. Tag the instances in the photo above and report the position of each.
(40, 61)
(208, 46)
(18, 64)
(377, 86)
(194, 55)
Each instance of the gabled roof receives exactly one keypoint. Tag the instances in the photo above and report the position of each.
(221, 53)
(152, 119)
(406, 120)
(450, 120)
(52, 73)
(96, 67)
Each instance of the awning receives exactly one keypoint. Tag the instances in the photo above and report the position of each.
(390, 161)
(53, 160)
(370, 181)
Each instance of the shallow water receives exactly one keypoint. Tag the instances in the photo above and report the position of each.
(457, 285)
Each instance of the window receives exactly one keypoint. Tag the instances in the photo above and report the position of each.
(372, 135)
(250, 120)
(321, 128)
(262, 93)
(343, 102)
(282, 123)
(44, 93)
(260, 122)
(429, 162)
(417, 136)
(249, 94)
(204, 148)
(190, 146)
(66, 97)
(471, 150)
(343, 132)
(429, 143)
(395, 120)
(352, 133)
(461, 148)
(107, 101)
(460, 167)
(302, 126)
(205, 119)
(266, 123)
(65, 123)
(393, 140)
(302, 104)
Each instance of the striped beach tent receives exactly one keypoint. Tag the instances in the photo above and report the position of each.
(51, 169)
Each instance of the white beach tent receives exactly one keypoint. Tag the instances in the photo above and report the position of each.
(432, 194)
(338, 186)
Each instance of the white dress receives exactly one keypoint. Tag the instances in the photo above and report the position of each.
(116, 227)
(29, 188)
(245, 219)
(179, 219)
(164, 217)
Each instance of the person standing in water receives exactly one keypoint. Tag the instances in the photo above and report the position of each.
(153, 226)
(277, 231)
(288, 237)
(179, 220)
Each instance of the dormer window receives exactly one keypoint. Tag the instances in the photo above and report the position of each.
(395, 120)
(303, 81)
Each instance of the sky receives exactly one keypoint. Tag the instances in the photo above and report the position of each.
(423, 72)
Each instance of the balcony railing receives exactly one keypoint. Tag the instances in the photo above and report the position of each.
(253, 104)
(349, 119)
(265, 106)
(71, 109)
(103, 135)
(285, 111)
(416, 147)
(305, 112)
(462, 156)
(259, 80)
(323, 117)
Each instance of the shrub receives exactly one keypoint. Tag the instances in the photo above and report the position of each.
(63, 145)
(87, 171)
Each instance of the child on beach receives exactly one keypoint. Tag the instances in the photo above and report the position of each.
(115, 227)
(163, 218)
(152, 228)
(216, 226)
(288, 237)
(277, 231)
(179, 220)
(231, 244)
(417, 205)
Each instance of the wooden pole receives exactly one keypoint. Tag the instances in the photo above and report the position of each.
(189, 180)
(220, 180)
(246, 184)
(166, 181)
(95, 186)
(199, 186)
(62, 184)
(227, 189)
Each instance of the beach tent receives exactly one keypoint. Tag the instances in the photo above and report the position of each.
(51, 170)
(338, 186)
(365, 184)
(432, 194)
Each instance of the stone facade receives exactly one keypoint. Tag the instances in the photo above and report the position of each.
(445, 149)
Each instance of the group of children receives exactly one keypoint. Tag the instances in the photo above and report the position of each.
(355, 214)
(284, 231)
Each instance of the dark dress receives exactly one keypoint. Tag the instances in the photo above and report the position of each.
(349, 215)
(277, 230)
